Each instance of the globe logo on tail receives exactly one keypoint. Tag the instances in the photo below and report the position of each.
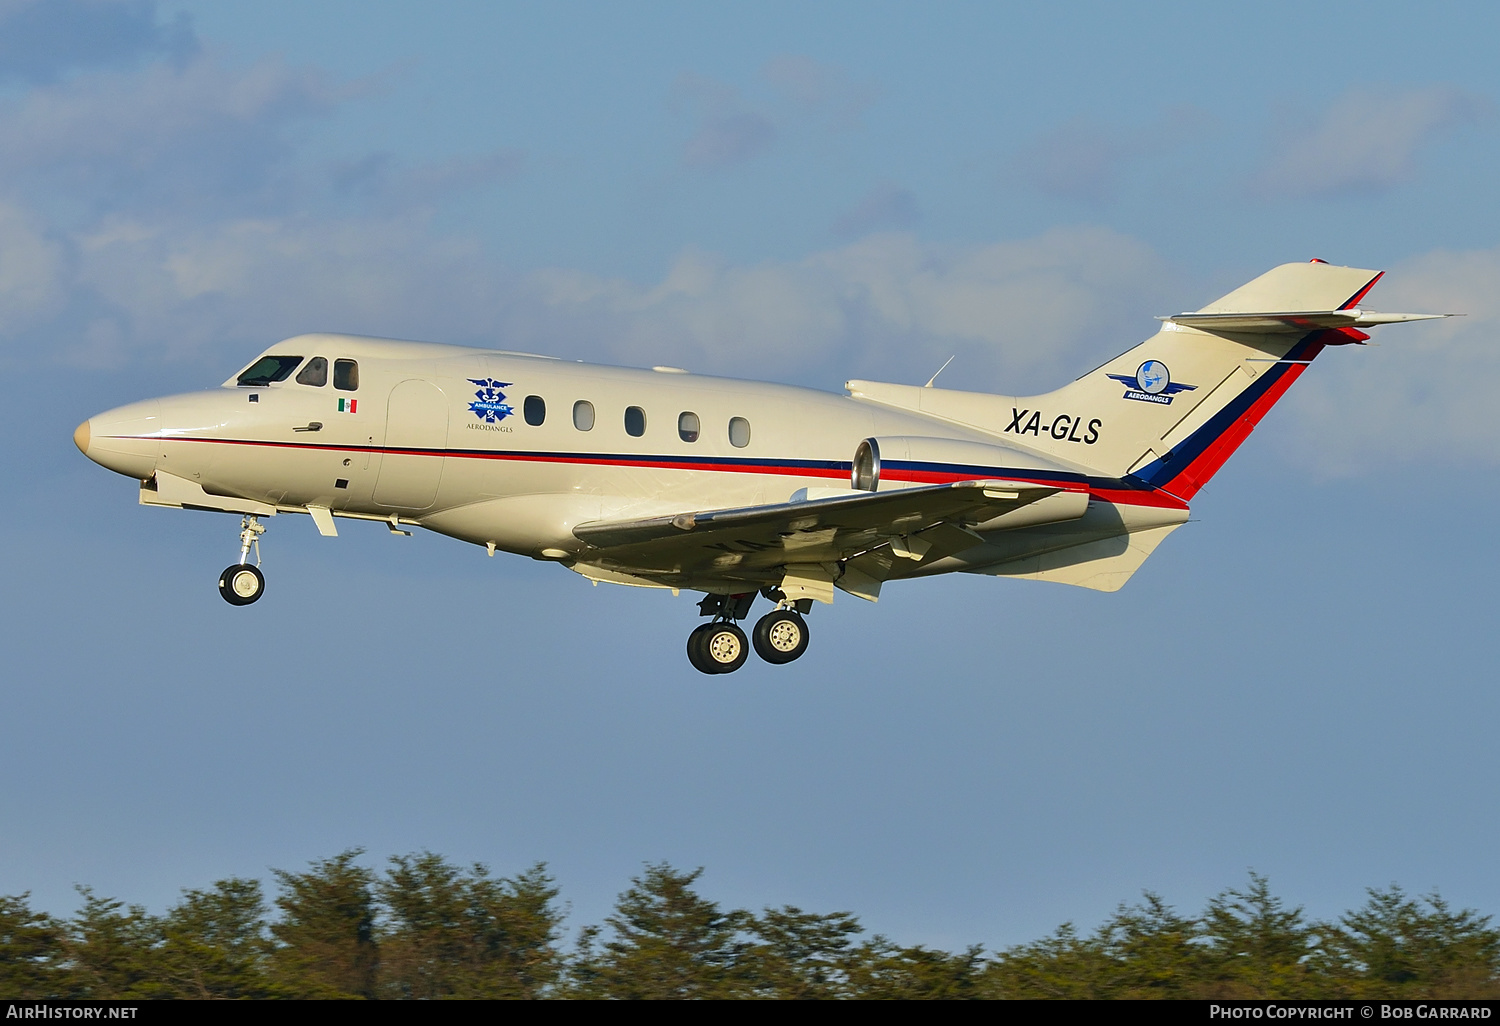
(1152, 384)
(1153, 377)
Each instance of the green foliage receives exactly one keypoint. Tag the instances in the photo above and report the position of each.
(1256, 946)
(668, 942)
(215, 943)
(1063, 966)
(429, 929)
(451, 933)
(1143, 951)
(31, 950)
(1397, 947)
(326, 935)
(1249, 944)
(879, 969)
(799, 955)
(112, 951)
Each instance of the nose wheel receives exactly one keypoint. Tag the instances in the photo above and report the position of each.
(242, 583)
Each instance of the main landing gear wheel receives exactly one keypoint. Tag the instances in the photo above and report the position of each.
(241, 584)
(718, 648)
(781, 636)
(695, 652)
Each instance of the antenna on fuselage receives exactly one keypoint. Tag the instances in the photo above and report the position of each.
(940, 370)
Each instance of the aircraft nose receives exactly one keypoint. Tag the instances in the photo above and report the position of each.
(126, 440)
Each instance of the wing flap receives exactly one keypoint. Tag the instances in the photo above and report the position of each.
(913, 526)
(860, 509)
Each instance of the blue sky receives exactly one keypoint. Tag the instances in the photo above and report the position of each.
(1298, 682)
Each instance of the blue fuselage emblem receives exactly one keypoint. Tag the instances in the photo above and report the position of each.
(489, 405)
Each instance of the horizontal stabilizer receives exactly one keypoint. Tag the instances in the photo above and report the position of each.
(1293, 322)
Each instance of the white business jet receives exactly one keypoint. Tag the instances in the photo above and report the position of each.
(663, 479)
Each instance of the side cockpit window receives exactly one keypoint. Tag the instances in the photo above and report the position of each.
(315, 373)
(345, 375)
(268, 369)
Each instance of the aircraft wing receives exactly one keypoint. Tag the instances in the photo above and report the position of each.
(906, 528)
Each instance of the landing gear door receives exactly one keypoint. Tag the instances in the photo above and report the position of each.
(416, 438)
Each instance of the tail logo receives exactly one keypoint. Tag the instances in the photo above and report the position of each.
(1152, 384)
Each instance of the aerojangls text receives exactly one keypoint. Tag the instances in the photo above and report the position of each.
(1064, 427)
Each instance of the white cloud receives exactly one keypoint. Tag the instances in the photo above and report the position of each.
(246, 282)
(1367, 141)
(726, 131)
(1020, 314)
(1085, 161)
(31, 270)
(729, 129)
(824, 91)
(1423, 392)
(42, 40)
(1081, 160)
(887, 206)
(178, 138)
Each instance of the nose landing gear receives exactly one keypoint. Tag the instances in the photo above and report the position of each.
(241, 584)
(719, 646)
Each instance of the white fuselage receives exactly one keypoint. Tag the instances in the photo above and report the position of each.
(442, 437)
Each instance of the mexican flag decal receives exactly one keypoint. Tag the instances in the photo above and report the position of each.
(348, 405)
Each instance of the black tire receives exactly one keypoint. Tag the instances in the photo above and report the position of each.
(241, 584)
(695, 649)
(725, 647)
(781, 636)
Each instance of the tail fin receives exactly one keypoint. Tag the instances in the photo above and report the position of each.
(1170, 411)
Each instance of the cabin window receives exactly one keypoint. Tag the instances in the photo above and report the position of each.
(688, 427)
(268, 369)
(583, 415)
(315, 373)
(345, 375)
(635, 421)
(535, 408)
(739, 432)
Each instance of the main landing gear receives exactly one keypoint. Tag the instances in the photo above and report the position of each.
(241, 584)
(719, 646)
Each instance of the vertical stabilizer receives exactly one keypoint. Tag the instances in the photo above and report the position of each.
(1170, 411)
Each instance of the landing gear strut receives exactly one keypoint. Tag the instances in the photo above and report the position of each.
(241, 584)
(719, 646)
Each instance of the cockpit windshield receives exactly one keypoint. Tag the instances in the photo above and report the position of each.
(268, 369)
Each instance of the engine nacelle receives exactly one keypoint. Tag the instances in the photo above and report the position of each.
(923, 460)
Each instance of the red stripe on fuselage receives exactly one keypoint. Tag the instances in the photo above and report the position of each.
(1105, 493)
